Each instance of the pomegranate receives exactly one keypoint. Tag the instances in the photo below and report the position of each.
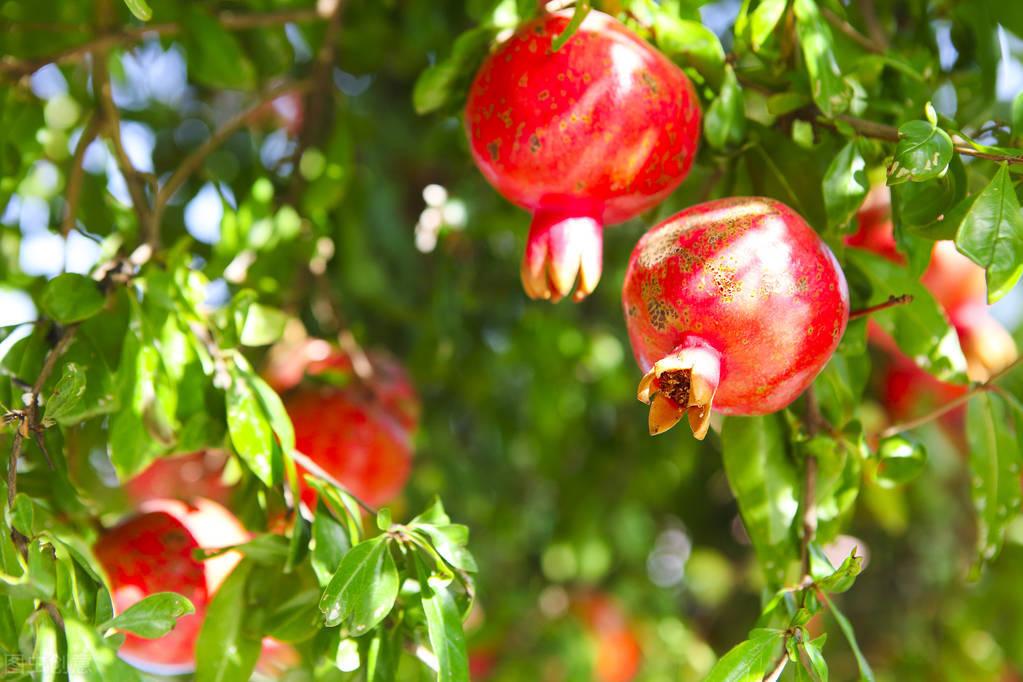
(734, 304)
(356, 442)
(617, 647)
(183, 477)
(591, 134)
(153, 552)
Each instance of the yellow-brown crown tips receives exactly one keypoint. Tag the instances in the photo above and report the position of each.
(664, 414)
(699, 421)
(643, 393)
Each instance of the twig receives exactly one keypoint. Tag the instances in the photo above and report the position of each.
(890, 303)
(779, 666)
(881, 131)
(74, 182)
(873, 25)
(952, 404)
(850, 31)
(315, 469)
(16, 68)
(193, 161)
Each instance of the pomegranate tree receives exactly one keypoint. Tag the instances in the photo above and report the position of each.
(587, 135)
(734, 304)
(155, 552)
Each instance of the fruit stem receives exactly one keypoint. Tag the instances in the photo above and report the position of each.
(682, 382)
(890, 303)
(563, 247)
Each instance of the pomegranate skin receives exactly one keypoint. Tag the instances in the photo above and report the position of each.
(592, 134)
(361, 446)
(739, 300)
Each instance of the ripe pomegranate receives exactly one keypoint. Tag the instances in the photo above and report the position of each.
(153, 552)
(617, 647)
(354, 441)
(735, 304)
(588, 135)
(184, 477)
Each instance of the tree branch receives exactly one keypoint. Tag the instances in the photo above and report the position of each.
(75, 177)
(890, 303)
(193, 161)
(16, 68)
(988, 385)
(850, 31)
(779, 666)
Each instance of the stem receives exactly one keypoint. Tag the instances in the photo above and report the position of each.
(16, 68)
(952, 404)
(873, 25)
(850, 31)
(312, 467)
(779, 666)
(193, 161)
(890, 303)
(77, 174)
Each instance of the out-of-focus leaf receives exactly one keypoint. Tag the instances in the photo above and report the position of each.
(228, 648)
(866, 673)
(991, 234)
(725, 123)
(763, 21)
(383, 655)
(845, 186)
(444, 625)
(995, 460)
(261, 326)
(152, 617)
(251, 433)
(140, 8)
(582, 8)
(931, 208)
(751, 660)
(813, 647)
(444, 83)
(363, 590)
(71, 298)
(215, 57)
(90, 659)
(1017, 116)
(46, 654)
(830, 92)
(923, 153)
(692, 44)
(919, 328)
(66, 394)
(899, 461)
(765, 482)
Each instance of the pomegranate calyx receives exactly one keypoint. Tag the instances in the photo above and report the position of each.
(682, 383)
(560, 250)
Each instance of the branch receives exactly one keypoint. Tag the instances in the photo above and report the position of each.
(890, 303)
(74, 183)
(881, 131)
(315, 469)
(193, 161)
(16, 68)
(779, 666)
(952, 404)
(850, 31)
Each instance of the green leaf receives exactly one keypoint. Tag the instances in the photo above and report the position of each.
(384, 519)
(813, 647)
(923, 153)
(443, 85)
(250, 430)
(582, 8)
(153, 616)
(842, 579)
(332, 542)
(139, 8)
(383, 656)
(919, 328)
(261, 325)
(899, 461)
(763, 20)
(71, 298)
(751, 660)
(725, 123)
(991, 235)
(1017, 116)
(444, 624)
(450, 542)
(995, 458)
(845, 186)
(692, 44)
(227, 648)
(66, 394)
(215, 57)
(90, 659)
(46, 653)
(364, 589)
(830, 92)
(766, 486)
(866, 673)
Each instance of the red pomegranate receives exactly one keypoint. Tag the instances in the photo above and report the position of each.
(183, 477)
(354, 441)
(617, 648)
(735, 304)
(588, 135)
(153, 552)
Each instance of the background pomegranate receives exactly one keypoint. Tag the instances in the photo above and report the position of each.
(183, 477)
(591, 134)
(616, 646)
(153, 552)
(735, 303)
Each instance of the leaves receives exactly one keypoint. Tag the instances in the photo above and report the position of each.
(227, 648)
(866, 672)
(725, 123)
(845, 186)
(751, 660)
(93, 661)
(70, 298)
(363, 590)
(923, 153)
(690, 43)
(763, 21)
(991, 234)
(830, 92)
(899, 461)
(153, 616)
(443, 85)
(765, 483)
(139, 8)
(444, 624)
(252, 428)
(215, 57)
(995, 460)
(66, 394)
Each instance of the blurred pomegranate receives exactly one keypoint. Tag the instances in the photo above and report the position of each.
(616, 645)
(182, 477)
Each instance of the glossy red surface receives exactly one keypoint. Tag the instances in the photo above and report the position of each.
(748, 278)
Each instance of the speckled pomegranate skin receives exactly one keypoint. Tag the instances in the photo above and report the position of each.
(153, 553)
(599, 131)
(365, 449)
(748, 278)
